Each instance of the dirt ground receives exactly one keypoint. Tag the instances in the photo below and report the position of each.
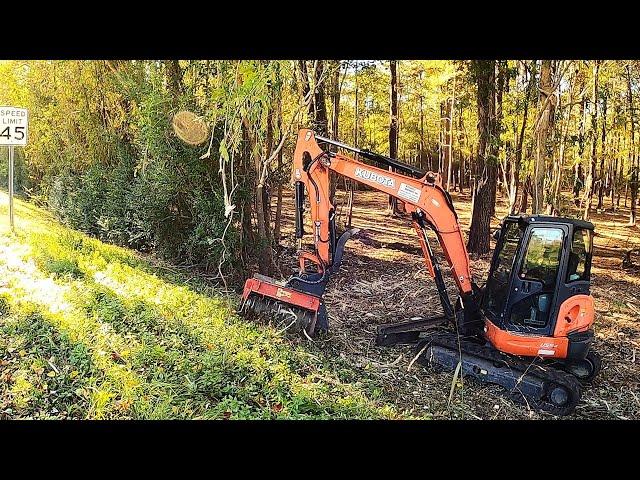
(383, 279)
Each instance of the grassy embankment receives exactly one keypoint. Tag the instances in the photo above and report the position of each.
(90, 330)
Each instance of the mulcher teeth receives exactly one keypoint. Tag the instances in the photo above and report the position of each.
(283, 316)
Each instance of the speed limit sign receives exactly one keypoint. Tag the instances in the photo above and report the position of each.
(14, 122)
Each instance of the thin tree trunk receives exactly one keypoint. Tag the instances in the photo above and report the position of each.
(461, 166)
(393, 124)
(515, 170)
(264, 241)
(266, 194)
(174, 77)
(278, 219)
(524, 200)
(450, 113)
(479, 232)
(335, 116)
(445, 134)
(501, 81)
(542, 131)
(304, 80)
(601, 174)
(335, 100)
(422, 163)
(349, 203)
(355, 115)
(247, 235)
(589, 187)
(633, 177)
(557, 178)
(320, 120)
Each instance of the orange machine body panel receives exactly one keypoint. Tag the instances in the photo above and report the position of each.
(526, 345)
(576, 314)
(283, 294)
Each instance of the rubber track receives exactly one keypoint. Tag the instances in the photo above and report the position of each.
(545, 373)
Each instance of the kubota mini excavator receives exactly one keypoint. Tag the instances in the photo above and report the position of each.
(528, 329)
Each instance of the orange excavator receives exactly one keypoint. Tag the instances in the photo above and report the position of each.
(528, 329)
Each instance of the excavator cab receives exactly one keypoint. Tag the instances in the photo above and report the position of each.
(538, 283)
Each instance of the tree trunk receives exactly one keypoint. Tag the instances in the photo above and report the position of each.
(349, 201)
(461, 163)
(594, 142)
(515, 170)
(445, 139)
(542, 133)
(422, 163)
(524, 199)
(247, 235)
(263, 243)
(174, 78)
(335, 116)
(266, 194)
(601, 174)
(355, 114)
(479, 232)
(557, 177)
(278, 219)
(501, 81)
(449, 134)
(318, 108)
(393, 124)
(633, 177)
(614, 179)
(304, 78)
(335, 99)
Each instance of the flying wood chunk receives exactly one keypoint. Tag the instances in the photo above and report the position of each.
(190, 128)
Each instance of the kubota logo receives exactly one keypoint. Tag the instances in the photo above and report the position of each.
(283, 293)
(374, 177)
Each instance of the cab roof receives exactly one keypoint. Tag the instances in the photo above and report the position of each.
(528, 219)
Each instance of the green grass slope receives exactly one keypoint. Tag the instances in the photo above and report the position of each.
(90, 330)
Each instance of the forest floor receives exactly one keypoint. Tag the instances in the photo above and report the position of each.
(383, 279)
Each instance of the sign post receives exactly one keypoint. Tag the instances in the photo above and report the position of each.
(14, 123)
(11, 185)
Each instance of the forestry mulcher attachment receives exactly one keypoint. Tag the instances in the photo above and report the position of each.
(529, 329)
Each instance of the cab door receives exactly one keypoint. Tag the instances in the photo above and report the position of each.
(535, 280)
(495, 299)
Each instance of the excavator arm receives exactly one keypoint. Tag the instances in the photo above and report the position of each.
(424, 198)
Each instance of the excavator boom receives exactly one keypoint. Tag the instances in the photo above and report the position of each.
(423, 197)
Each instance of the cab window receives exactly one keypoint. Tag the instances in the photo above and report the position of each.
(542, 258)
(580, 255)
(541, 263)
